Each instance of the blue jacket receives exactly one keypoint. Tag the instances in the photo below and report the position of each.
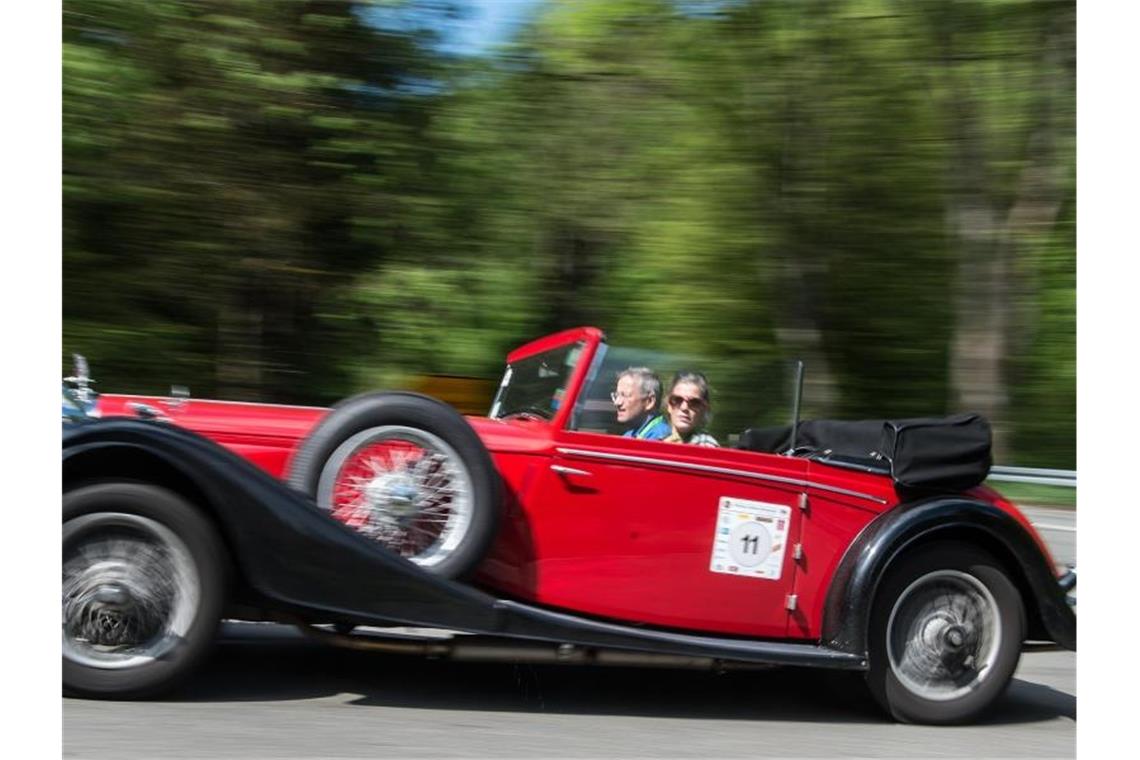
(653, 428)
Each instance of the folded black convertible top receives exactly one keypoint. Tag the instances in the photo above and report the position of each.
(940, 453)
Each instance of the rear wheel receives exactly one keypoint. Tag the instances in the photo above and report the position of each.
(946, 635)
(408, 472)
(143, 588)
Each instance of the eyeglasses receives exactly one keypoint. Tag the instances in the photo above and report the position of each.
(696, 403)
(617, 398)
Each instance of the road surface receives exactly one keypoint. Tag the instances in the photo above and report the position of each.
(267, 693)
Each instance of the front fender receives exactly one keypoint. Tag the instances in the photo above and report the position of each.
(285, 548)
(851, 596)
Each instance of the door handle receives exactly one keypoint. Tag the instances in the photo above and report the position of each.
(563, 470)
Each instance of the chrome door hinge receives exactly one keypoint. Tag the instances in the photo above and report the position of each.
(804, 502)
(798, 552)
(790, 603)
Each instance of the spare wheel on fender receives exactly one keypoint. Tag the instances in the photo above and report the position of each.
(407, 471)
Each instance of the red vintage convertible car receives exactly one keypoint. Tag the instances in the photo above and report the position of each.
(868, 546)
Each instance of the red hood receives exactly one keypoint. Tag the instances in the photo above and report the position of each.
(228, 419)
(222, 420)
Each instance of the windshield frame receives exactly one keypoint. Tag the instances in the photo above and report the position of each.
(589, 338)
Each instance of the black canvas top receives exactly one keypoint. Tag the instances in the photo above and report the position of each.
(940, 453)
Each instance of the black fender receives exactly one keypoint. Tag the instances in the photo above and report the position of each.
(284, 548)
(847, 608)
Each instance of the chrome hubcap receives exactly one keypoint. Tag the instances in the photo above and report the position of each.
(396, 494)
(943, 635)
(130, 590)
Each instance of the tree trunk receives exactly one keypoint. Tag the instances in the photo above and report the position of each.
(981, 288)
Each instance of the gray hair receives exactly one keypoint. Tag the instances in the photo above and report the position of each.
(647, 380)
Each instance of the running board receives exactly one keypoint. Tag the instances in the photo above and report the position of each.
(523, 621)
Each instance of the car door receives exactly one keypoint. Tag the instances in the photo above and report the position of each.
(667, 534)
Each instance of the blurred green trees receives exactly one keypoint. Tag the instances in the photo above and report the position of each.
(226, 165)
(296, 200)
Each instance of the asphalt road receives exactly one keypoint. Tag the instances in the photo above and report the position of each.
(267, 693)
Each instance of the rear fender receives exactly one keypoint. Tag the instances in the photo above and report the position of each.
(851, 596)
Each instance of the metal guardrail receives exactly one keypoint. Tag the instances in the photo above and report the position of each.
(1037, 475)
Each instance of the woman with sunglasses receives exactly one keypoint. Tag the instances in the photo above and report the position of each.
(688, 409)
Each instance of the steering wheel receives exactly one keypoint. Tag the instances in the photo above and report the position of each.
(531, 412)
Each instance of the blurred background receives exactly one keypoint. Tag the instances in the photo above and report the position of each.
(293, 201)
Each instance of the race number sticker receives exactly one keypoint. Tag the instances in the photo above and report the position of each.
(750, 539)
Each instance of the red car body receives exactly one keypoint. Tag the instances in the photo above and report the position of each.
(618, 527)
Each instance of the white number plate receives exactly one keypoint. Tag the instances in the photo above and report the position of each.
(750, 539)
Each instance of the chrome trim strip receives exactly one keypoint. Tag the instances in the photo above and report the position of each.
(714, 469)
(185, 402)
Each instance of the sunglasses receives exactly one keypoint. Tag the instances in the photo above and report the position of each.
(695, 403)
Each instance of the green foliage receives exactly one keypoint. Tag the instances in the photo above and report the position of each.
(1033, 495)
(298, 200)
(225, 169)
(1045, 393)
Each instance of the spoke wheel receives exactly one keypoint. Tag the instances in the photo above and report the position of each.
(403, 487)
(408, 472)
(142, 589)
(946, 635)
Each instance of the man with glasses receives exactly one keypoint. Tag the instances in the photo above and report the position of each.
(636, 396)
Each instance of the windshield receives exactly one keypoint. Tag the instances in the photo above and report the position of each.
(743, 393)
(536, 386)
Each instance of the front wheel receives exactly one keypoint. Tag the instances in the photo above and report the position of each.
(946, 634)
(143, 589)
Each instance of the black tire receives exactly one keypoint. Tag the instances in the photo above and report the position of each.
(945, 634)
(144, 586)
(399, 506)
